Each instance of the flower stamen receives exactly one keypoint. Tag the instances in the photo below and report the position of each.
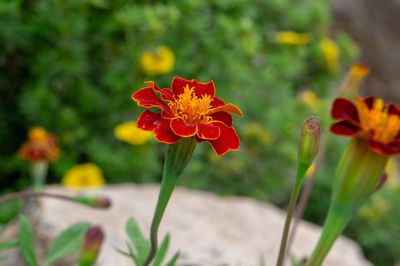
(385, 127)
(192, 108)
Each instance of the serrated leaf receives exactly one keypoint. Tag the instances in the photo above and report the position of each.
(135, 258)
(67, 242)
(131, 254)
(120, 251)
(8, 244)
(139, 242)
(161, 251)
(25, 240)
(173, 260)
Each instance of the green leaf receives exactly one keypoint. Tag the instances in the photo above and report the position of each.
(67, 242)
(142, 246)
(161, 251)
(123, 252)
(131, 254)
(9, 210)
(134, 257)
(25, 239)
(8, 244)
(173, 260)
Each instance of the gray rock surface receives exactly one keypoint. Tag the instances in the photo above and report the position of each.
(207, 229)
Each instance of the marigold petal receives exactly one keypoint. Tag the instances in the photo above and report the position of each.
(178, 85)
(217, 102)
(146, 97)
(394, 110)
(392, 148)
(223, 117)
(344, 109)
(166, 94)
(208, 131)
(227, 108)
(161, 127)
(180, 128)
(228, 139)
(369, 101)
(201, 89)
(345, 129)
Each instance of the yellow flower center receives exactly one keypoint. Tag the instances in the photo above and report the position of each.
(384, 126)
(192, 108)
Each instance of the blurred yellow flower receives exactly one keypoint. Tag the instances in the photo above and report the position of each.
(309, 98)
(330, 52)
(160, 62)
(87, 175)
(257, 132)
(392, 170)
(292, 38)
(373, 211)
(130, 133)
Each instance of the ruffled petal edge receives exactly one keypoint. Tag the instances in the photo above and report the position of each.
(228, 139)
(344, 128)
(208, 131)
(180, 128)
(161, 127)
(178, 84)
(345, 110)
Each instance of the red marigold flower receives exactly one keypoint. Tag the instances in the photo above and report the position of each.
(189, 109)
(370, 119)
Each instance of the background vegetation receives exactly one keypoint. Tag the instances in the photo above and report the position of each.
(71, 67)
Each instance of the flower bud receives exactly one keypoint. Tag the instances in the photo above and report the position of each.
(94, 201)
(91, 246)
(309, 140)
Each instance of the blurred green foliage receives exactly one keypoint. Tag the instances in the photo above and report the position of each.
(71, 67)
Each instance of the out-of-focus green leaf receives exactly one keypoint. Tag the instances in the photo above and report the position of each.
(138, 241)
(173, 260)
(67, 242)
(8, 244)
(25, 240)
(9, 210)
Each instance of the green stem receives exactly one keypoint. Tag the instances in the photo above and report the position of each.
(307, 189)
(39, 173)
(336, 221)
(301, 170)
(31, 194)
(177, 157)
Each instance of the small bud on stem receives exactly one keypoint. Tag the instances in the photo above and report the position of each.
(91, 246)
(309, 140)
(94, 201)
